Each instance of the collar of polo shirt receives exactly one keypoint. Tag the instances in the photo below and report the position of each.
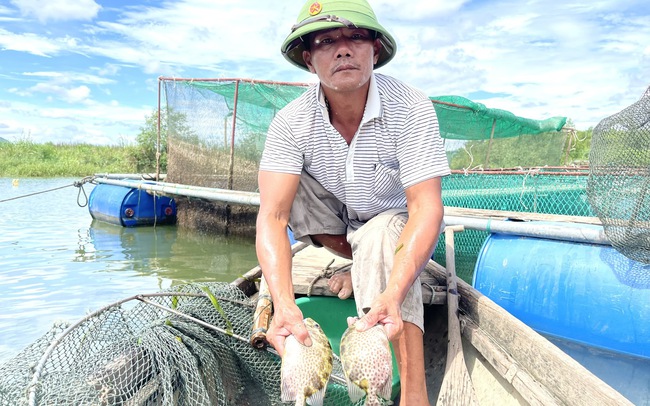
(373, 103)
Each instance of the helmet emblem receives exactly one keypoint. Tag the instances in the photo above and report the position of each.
(315, 8)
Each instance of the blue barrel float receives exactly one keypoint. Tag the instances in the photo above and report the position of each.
(130, 207)
(586, 293)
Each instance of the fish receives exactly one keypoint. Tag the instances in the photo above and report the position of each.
(305, 371)
(367, 363)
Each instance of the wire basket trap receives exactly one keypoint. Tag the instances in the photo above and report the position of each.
(187, 345)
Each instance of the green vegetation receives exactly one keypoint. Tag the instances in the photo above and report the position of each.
(524, 151)
(26, 158)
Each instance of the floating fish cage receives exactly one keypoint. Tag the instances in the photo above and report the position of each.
(130, 206)
(582, 292)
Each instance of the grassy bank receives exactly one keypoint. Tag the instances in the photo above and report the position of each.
(28, 159)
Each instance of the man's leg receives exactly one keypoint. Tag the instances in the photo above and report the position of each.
(409, 352)
(341, 282)
(373, 246)
(337, 244)
(318, 217)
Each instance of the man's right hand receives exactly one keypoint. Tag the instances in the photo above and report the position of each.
(287, 320)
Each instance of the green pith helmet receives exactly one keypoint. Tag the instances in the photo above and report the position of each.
(326, 14)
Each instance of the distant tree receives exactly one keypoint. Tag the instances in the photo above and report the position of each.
(147, 140)
(580, 147)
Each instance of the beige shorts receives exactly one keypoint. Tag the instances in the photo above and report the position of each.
(316, 211)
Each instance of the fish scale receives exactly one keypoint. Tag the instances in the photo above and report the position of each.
(305, 371)
(367, 363)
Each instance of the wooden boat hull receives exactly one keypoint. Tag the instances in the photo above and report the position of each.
(508, 362)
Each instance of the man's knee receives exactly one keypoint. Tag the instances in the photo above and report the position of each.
(337, 244)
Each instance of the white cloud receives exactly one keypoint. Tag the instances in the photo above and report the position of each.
(538, 58)
(77, 94)
(31, 43)
(70, 77)
(94, 124)
(58, 10)
(415, 9)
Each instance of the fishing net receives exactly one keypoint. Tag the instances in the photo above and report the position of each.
(183, 346)
(216, 130)
(544, 190)
(619, 178)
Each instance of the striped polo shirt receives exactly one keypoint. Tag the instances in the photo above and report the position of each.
(397, 145)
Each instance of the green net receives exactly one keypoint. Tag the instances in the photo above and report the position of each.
(216, 133)
(538, 190)
(463, 119)
(619, 179)
(205, 148)
(138, 352)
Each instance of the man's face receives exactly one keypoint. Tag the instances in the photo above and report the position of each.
(343, 58)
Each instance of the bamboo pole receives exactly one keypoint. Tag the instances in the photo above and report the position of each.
(264, 309)
(231, 164)
(262, 317)
(457, 385)
(223, 195)
(487, 158)
(159, 136)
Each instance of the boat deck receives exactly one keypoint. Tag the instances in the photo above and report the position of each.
(313, 266)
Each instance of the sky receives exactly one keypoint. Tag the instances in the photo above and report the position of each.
(86, 71)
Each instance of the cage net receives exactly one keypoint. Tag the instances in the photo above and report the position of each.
(138, 352)
(206, 147)
(619, 178)
(544, 190)
(215, 132)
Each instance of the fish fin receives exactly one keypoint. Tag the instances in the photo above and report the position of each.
(355, 392)
(387, 388)
(317, 398)
(287, 392)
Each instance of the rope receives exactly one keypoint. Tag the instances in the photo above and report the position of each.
(78, 184)
(327, 272)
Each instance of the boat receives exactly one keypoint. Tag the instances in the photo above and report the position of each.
(200, 344)
(508, 363)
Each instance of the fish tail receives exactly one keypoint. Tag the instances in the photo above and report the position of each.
(372, 400)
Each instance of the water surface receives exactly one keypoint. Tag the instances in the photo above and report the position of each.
(58, 264)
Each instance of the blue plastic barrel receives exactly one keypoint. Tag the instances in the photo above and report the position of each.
(587, 293)
(130, 207)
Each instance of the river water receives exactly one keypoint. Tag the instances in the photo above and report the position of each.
(58, 264)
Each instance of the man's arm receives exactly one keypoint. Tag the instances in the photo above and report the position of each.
(277, 192)
(413, 251)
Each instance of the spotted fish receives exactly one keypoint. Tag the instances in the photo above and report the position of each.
(367, 363)
(305, 371)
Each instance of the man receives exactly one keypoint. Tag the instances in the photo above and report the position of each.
(353, 165)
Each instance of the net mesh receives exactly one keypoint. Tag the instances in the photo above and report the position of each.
(619, 179)
(135, 353)
(204, 149)
(535, 190)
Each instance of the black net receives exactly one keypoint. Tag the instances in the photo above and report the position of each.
(619, 178)
(137, 352)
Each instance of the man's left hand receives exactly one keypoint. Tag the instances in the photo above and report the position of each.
(386, 311)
